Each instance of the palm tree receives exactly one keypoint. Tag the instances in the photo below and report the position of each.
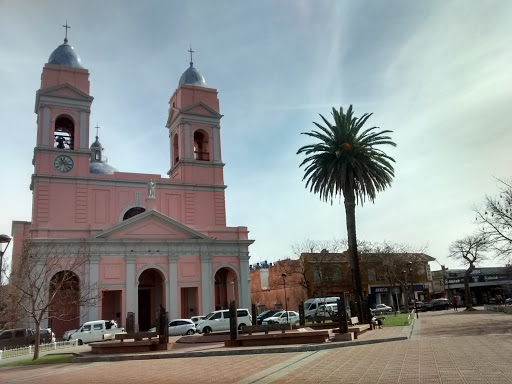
(346, 160)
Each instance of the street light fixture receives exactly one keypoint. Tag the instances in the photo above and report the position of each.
(4, 239)
(283, 275)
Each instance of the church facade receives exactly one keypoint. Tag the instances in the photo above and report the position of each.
(151, 240)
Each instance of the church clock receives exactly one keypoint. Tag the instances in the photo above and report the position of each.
(63, 163)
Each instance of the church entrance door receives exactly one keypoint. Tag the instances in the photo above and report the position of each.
(226, 288)
(151, 295)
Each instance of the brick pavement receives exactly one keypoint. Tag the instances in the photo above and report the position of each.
(445, 347)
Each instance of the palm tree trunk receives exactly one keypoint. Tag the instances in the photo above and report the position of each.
(350, 212)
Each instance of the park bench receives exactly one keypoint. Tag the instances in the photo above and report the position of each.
(309, 337)
(356, 327)
(250, 329)
(137, 336)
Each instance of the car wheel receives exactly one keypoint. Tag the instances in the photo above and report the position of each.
(190, 332)
(241, 326)
(80, 342)
(207, 330)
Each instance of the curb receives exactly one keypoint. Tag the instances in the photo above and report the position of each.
(233, 352)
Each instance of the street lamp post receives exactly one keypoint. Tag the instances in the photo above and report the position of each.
(285, 301)
(4, 239)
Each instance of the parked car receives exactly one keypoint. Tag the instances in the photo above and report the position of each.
(219, 321)
(311, 305)
(17, 337)
(419, 305)
(263, 315)
(380, 309)
(197, 319)
(66, 335)
(46, 335)
(282, 318)
(180, 327)
(508, 301)
(327, 310)
(438, 305)
(96, 330)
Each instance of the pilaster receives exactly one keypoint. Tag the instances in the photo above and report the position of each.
(206, 282)
(172, 295)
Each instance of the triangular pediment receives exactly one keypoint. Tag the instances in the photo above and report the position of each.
(65, 91)
(151, 225)
(201, 109)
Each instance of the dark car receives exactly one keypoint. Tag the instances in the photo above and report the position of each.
(263, 315)
(438, 305)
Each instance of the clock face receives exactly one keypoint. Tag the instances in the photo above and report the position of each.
(63, 163)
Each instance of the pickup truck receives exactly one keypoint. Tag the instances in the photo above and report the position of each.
(96, 330)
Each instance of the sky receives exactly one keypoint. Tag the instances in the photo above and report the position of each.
(437, 73)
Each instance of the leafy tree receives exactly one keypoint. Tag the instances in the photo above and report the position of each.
(495, 220)
(346, 161)
(470, 251)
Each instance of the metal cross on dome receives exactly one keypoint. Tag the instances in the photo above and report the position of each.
(67, 27)
(191, 52)
(97, 127)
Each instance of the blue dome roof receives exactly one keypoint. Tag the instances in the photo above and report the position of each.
(96, 144)
(65, 55)
(102, 168)
(192, 77)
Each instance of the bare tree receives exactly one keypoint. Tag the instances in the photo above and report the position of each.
(45, 282)
(399, 265)
(470, 251)
(495, 220)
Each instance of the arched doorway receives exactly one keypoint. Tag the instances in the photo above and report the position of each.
(151, 294)
(64, 313)
(226, 288)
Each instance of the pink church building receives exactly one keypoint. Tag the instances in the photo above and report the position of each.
(151, 240)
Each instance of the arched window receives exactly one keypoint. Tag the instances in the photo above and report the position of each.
(133, 212)
(201, 145)
(64, 133)
(175, 149)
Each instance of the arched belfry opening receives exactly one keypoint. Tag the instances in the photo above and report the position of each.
(226, 288)
(64, 314)
(201, 145)
(64, 136)
(175, 149)
(151, 295)
(133, 212)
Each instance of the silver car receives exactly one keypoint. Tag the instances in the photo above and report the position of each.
(180, 327)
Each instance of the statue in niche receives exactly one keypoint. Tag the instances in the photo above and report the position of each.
(151, 189)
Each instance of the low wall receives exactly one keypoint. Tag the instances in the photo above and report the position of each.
(498, 308)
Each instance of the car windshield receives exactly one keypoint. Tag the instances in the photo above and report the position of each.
(209, 315)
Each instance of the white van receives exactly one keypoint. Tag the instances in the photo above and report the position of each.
(96, 330)
(219, 321)
(311, 305)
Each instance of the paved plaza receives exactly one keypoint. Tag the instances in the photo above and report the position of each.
(444, 347)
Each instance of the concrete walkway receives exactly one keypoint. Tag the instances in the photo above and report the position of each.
(445, 347)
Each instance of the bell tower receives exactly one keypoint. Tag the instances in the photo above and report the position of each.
(194, 131)
(63, 107)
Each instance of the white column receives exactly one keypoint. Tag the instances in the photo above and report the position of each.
(244, 285)
(206, 284)
(172, 297)
(93, 284)
(131, 287)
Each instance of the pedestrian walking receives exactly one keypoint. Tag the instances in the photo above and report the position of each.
(454, 302)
